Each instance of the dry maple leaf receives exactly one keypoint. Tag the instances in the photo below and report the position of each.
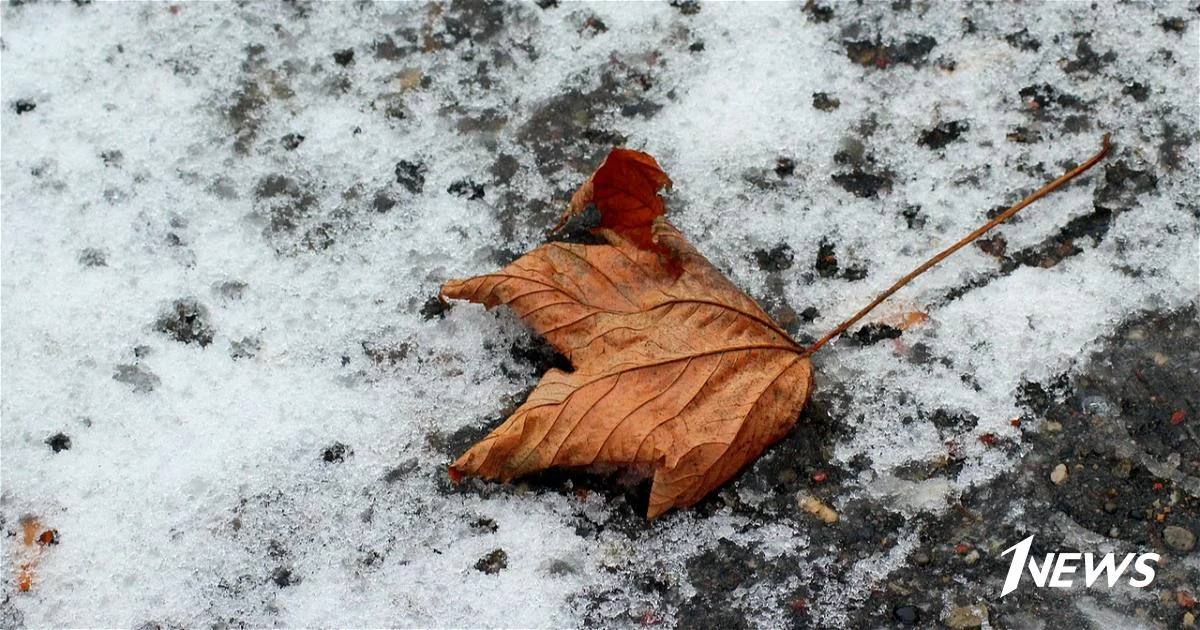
(679, 371)
(676, 369)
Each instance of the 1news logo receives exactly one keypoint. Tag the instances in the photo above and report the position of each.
(1057, 569)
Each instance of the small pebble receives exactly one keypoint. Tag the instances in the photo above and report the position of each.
(972, 557)
(1059, 474)
(1178, 538)
(907, 615)
(1053, 427)
(1114, 533)
(1189, 620)
(817, 508)
(965, 617)
(921, 558)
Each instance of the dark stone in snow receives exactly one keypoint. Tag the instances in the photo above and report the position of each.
(827, 262)
(494, 562)
(594, 26)
(1122, 182)
(641, 107)
(1023, 40)
(283, 577)
(343, 57)
(186, 322)
(686, 7)
(1077, 123)
(1138, 91)
(59, 442)
(874, 333)
(1088, 60)
(434, 307)
(865, 179)
(336, 453)
(382, 202)
(22, 106)
(1022, 134)
(913, 217)
(484, 525)
(1173, 25)
(466, 188)
(943, 134)
(862, 183)
(291, 141)
(778, 258)
(411, 175)
(1043, 95)
(785, 167)
(854, 273)
(875, 54)
(825, 102)
(818, 12)
(993, 245)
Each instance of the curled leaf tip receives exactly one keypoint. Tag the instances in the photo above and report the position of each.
(625, 190)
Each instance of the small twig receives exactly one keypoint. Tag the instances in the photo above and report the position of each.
(1105, 149)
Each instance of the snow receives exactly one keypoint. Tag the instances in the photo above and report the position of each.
(181, 505)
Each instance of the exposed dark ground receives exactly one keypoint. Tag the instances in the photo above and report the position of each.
(1124, 424)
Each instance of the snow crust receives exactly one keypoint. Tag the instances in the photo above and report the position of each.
(181, 505)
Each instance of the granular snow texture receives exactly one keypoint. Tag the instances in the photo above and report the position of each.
(229, 391)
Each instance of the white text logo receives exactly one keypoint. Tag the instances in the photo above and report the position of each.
(1058, 569)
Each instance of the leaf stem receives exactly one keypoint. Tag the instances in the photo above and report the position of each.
(1105, 149)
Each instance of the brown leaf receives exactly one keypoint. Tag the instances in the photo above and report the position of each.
(676, 369)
